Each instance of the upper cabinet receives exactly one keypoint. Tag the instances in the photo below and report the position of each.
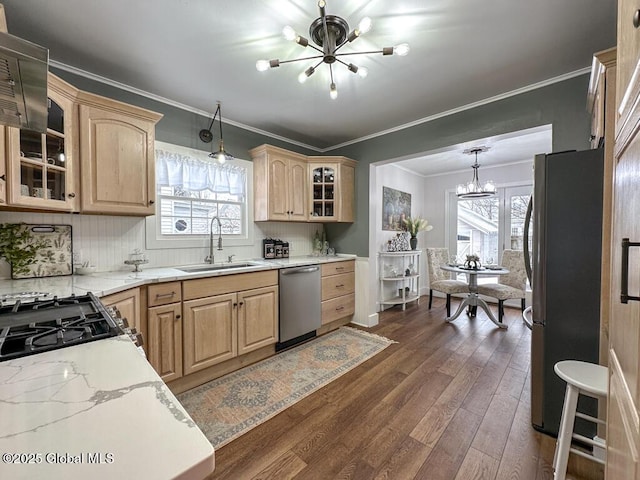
(332, 189)
(117, 156)
(292, 187)
(42, 167)
(280, 184)
(97, 156)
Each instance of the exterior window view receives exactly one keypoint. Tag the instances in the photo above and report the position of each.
(311, 239)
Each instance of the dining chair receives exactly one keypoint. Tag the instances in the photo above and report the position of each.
(511, 285)
(441, 281)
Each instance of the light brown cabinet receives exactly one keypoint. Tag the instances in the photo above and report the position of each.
(332, 193)
(97, 156)
(257, 318)
(164, 329)
(292, 187)
(280, 185)
(128, 304)
(42, 169)
(338, 290)
(117, 156)
(628, 57)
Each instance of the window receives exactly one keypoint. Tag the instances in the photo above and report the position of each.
(487, 226)
(191, 190)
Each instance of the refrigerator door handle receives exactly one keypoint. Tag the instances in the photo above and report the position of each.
(624, 280)
(525, 243)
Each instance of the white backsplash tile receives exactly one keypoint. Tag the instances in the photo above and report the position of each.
(107, 241)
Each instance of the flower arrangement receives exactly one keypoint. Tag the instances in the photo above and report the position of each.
(472, 261)
(416, 224)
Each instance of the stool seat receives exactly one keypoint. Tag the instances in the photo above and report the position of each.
(588, 377)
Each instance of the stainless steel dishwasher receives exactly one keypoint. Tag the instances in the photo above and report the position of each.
(300, 304)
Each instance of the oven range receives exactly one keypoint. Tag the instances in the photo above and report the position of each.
(37, 326)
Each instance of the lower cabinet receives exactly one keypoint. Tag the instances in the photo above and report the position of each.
(128, 304)
(338, 291)
(257, 319)
(164, 345)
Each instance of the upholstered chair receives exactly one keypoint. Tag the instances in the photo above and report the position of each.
(510, 285)
(439, 280)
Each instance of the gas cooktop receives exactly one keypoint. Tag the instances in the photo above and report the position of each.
(42, 325)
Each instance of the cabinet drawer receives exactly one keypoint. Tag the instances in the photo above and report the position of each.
(164, 293)
(337, 285)
(221, 284)
(339, 307)
(335, 268)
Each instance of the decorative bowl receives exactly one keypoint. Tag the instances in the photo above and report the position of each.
(85, 270)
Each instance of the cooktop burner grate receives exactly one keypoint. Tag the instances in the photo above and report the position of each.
(28, 328)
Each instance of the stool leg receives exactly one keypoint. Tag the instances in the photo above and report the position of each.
(561, 456)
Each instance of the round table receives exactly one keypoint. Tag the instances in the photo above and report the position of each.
(473, 300)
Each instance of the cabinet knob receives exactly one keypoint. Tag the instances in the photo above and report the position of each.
(636, 19)
(235, 305)
(241, 303)
(72, 195)
(3, 177)
(151, 202)
(178, 317)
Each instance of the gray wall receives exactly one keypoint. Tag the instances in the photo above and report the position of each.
(562, 104)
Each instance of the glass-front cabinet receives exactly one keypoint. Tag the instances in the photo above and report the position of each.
(41, 164)
(323, 181)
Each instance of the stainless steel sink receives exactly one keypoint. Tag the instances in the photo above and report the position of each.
(214, 268)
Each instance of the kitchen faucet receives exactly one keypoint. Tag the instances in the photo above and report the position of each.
(209, 258)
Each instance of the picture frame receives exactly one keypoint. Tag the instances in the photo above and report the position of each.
(396, 206)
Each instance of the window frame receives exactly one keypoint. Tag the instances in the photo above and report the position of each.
(154, 239)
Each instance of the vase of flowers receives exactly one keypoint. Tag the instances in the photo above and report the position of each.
(472, 262)
(413, 226)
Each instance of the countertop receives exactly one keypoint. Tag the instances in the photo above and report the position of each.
(96, 410)
(107, 283)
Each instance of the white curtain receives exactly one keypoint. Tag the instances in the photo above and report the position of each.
(193, 173)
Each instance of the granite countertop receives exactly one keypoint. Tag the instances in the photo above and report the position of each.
(96, 410)
(107, 283)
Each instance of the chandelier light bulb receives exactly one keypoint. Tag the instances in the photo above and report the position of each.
(363, 72)
(289, 33)
(302, 77)
(333, 93)
(401, 49)
(262, 65)
(364, 26)
(322, 4)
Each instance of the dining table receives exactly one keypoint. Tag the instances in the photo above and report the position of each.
(473, 300)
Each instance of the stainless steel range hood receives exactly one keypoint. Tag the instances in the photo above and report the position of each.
(23, 83)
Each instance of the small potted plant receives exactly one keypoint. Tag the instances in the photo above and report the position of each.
(472, 262)
(17, 247)
(415, 225)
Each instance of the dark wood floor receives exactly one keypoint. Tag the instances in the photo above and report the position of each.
(448, 401)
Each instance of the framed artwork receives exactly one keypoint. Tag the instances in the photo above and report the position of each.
(396, 206)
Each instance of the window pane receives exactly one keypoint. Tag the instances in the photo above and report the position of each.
(477, 229)
(518, 211)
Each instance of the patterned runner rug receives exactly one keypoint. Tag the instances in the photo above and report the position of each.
(229, 406)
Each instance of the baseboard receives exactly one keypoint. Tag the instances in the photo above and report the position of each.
(372, 321)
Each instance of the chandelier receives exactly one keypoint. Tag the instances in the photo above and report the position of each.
(330, 33)
(474, 189)
(221, 156)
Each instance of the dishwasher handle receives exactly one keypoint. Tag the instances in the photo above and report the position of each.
(292, 271)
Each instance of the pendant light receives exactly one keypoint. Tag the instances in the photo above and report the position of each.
(474, 189)
(221, 156)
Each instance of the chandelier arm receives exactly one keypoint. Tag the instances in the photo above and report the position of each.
(214, 117)
(300, 59)
(331, 72)
(359, 53)
(220, 120)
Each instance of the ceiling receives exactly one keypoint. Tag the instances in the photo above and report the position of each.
(197, 52)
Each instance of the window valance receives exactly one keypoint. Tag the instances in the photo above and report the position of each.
(193, 173)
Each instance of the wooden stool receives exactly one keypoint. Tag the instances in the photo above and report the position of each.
(582, 379)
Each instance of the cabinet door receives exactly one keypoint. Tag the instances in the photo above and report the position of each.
(118, 170)
(257, 318)
(210, 331)
(278, 188)
(41, 165)
(297, 188)
(3, 168)
(128, 304)
(164, 345)
(323, 192)
(628, 61)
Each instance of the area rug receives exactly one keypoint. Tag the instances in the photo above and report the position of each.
(229, 406)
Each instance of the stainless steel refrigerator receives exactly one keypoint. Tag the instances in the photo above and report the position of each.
(566, 265)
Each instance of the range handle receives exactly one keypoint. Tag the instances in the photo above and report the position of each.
(624, 280)
(293, 271)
